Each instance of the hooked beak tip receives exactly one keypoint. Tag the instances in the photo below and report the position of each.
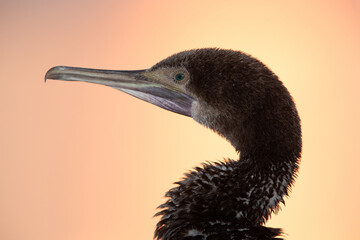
(53, 73)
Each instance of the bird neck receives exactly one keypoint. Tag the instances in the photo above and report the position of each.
(269, 141)
(230, 200)
(269, 159)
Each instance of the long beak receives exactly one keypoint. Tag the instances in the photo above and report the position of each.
(134, 83)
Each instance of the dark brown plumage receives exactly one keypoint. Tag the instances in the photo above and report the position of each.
(251, 108)
(238, 97)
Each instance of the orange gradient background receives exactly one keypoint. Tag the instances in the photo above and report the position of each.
(81, 161)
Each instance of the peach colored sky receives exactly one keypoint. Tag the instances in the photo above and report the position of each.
(81, 161)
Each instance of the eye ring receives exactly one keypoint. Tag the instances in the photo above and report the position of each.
(179, 76)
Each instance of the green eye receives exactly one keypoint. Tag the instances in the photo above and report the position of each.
(179, 77)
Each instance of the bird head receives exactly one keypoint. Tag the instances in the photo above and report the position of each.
(228, 91)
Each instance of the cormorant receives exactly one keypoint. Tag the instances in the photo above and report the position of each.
(242, 100)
